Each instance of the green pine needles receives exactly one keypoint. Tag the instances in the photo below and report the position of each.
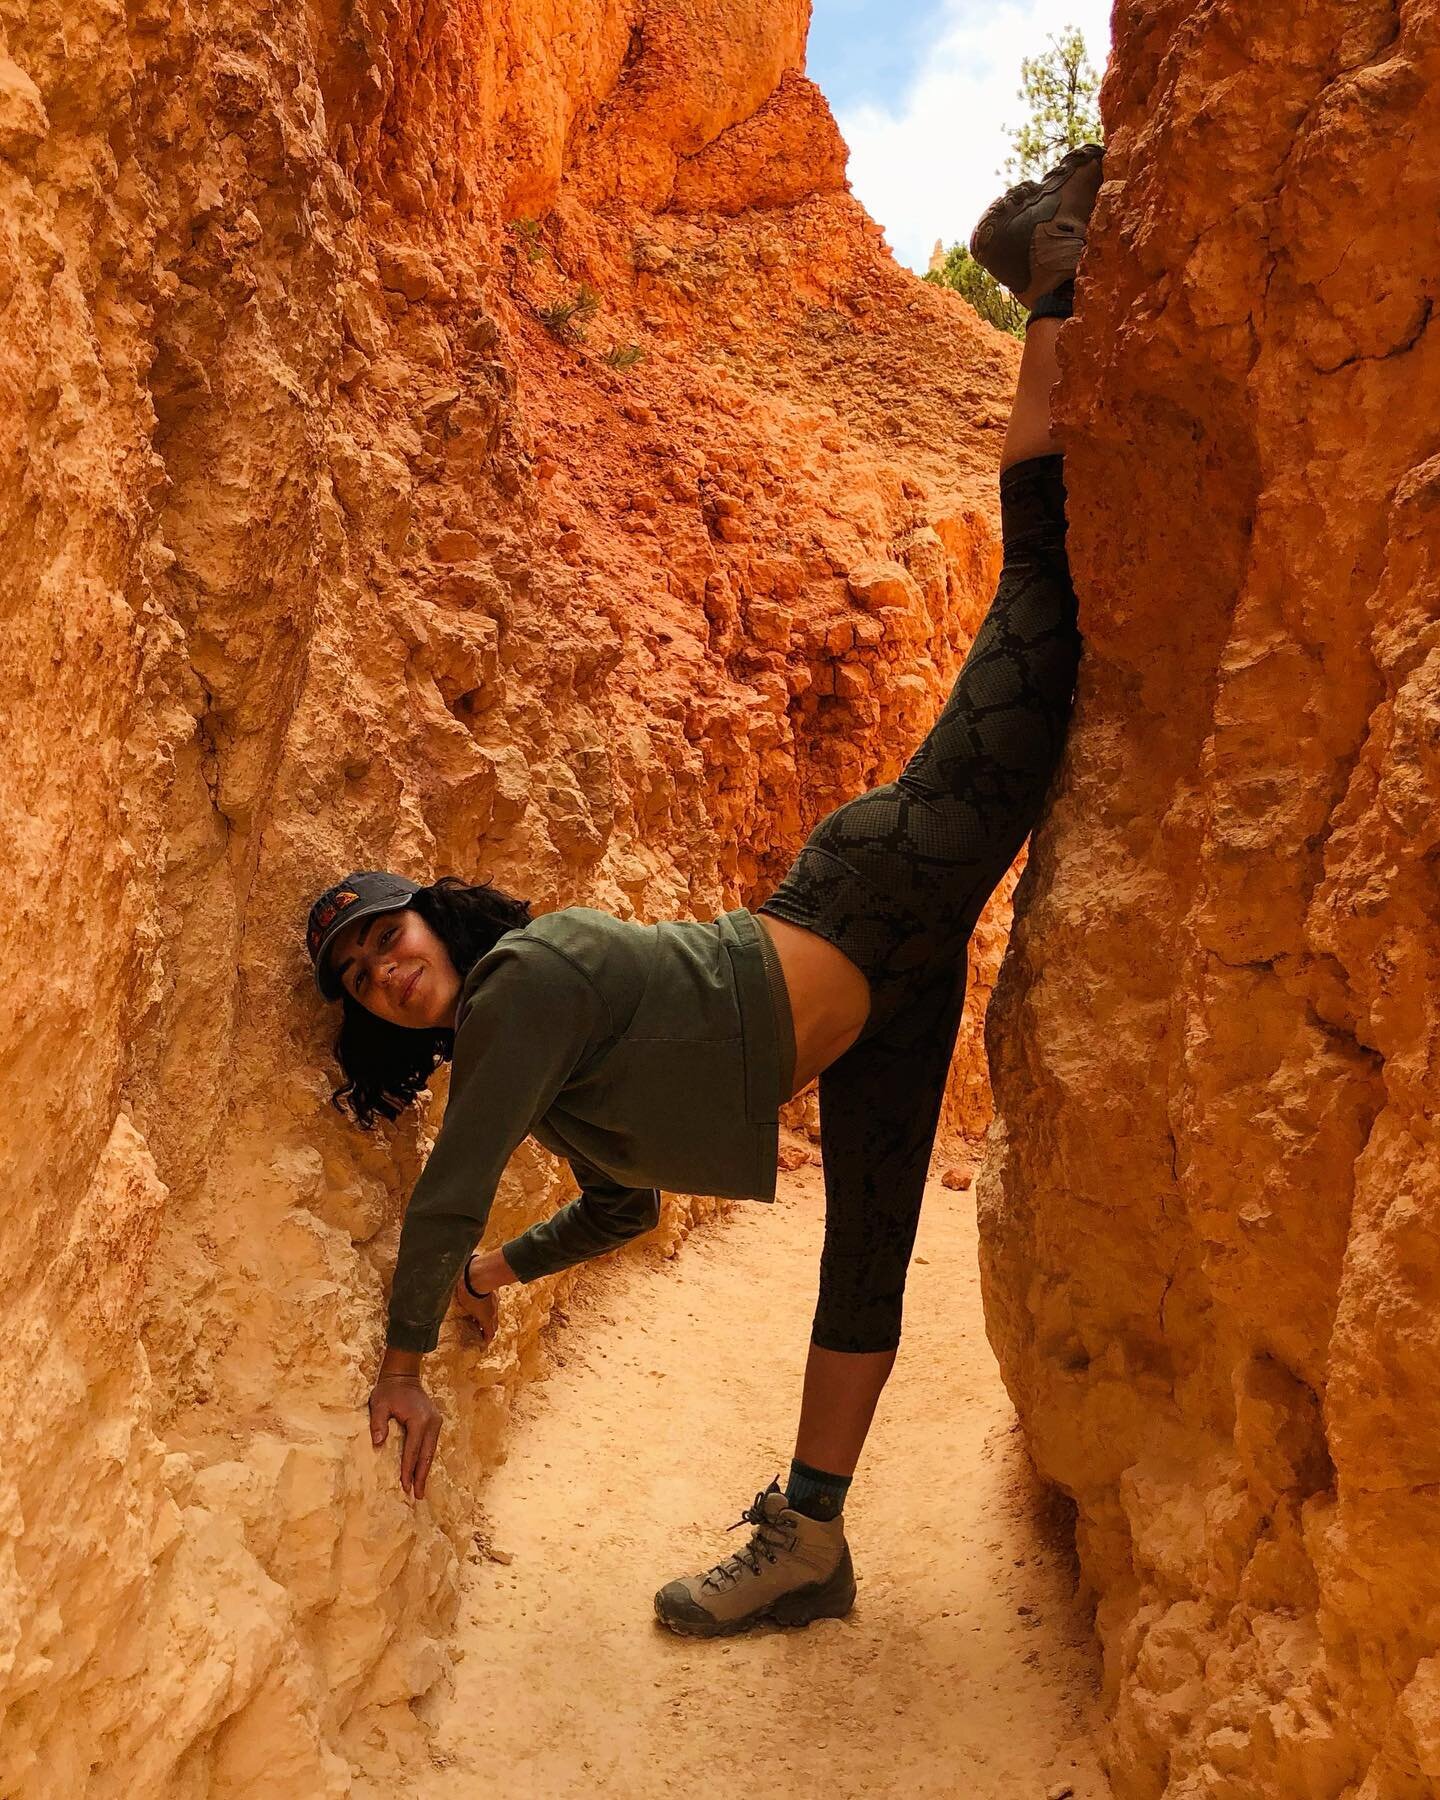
(569, 319)
(1061, 90)
(624, 356)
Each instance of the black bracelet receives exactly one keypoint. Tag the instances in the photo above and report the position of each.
(474, 1293)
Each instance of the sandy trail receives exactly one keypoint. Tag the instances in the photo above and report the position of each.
(965, 1668)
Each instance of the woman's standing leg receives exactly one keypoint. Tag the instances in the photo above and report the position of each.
(879, 1111)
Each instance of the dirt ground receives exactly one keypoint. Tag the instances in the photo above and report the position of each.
(965, 1668)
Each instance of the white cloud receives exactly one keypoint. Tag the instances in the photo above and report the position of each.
(926, 169)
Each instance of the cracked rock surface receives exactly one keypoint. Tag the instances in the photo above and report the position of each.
(1211, 1211)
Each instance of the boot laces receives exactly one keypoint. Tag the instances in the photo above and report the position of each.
(766, 1542)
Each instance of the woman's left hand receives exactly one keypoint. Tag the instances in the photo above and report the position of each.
(484, 1311)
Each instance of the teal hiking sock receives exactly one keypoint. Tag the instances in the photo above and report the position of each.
(1059, 303)
(814, 1493)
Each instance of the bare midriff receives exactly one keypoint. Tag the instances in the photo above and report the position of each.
(829, 997)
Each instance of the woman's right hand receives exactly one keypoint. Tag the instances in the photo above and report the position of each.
(403, 1399)
(482, 1309)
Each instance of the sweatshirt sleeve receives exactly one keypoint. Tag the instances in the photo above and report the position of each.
(523, 1029)
(606, 1215)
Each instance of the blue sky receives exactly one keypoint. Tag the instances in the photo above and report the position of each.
(861, 50)
(922, 91)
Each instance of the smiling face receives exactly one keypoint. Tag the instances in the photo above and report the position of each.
(396, 966)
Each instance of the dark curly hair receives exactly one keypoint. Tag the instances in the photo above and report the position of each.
(387, 1065)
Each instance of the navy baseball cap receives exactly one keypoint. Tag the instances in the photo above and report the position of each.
(361, 894)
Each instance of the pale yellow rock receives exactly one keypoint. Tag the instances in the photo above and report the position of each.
(23, 120)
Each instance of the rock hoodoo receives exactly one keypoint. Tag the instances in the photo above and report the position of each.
(1211, 1246)
(434, 437)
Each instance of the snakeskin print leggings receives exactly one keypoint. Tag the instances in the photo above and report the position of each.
(897, 878)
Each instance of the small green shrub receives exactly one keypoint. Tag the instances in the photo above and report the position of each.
(527, 232)
(624, 356)
(568, 319)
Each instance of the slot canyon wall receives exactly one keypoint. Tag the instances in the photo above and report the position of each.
(337, 534)
(1211, 1236)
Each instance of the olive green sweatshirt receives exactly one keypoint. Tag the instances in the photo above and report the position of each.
(648, 1056)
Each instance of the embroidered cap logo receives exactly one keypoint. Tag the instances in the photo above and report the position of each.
(327, 908)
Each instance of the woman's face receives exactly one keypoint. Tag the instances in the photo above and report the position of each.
(396, 966)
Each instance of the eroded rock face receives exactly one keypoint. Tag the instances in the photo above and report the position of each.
(328, 543)
(1212, 1257)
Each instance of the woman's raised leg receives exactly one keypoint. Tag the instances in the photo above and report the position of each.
(1029, 432)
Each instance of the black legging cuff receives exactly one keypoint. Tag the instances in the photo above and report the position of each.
(1059, 303)
(1032, 503)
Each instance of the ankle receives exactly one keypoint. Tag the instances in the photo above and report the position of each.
(1059, 303)
(815, 1493)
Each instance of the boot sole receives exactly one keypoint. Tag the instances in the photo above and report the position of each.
(993, 243)
(830, 1599)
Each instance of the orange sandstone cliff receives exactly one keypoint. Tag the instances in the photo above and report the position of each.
(439, 436)
(1212, 1243)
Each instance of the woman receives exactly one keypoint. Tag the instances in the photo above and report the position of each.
(658, 1056)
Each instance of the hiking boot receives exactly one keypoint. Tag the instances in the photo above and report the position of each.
(793, 1570)
(1030, 239)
